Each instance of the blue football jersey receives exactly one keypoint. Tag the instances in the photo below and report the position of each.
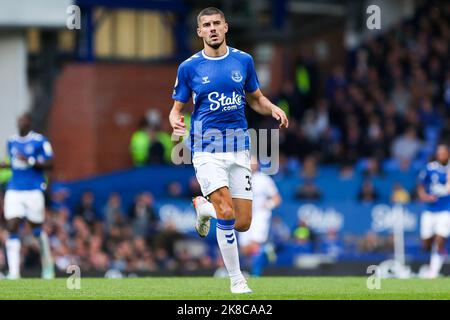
(25, 177)
(434, 179)
(217, 86)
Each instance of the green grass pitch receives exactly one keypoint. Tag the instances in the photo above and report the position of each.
(194, 288)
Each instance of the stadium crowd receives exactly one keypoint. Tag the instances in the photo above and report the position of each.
(392, 100)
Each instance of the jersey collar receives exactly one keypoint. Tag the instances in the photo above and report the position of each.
(216, 58)
(26, 138)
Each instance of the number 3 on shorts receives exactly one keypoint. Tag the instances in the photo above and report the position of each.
(249, 182)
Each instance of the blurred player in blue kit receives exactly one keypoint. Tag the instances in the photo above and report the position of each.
(30, 155)
(220, 79)
(434, 191)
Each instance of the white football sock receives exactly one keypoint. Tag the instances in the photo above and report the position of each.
(226, 238)
(206, 208)
(46, 255)
(13, 255)
(436, 262)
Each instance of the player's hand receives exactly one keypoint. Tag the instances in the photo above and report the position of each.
(279, 114)
(21, 157)
(179, 127)
(429, 198)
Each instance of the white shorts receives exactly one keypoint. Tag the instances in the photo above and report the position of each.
(258, 231)
(224, 169)
(29, 204)
(435, 223)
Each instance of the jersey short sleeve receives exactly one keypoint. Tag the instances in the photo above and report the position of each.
(423, 177)
(251, 83)
(8, 149)
(181, 90)
(45, 151)
(271, 187)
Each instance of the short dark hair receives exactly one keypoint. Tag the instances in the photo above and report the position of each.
(208, 12)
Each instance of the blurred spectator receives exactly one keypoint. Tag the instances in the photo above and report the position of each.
(401, 98)
(372, 168)
(279, 231)
(336, 80)
(288, 101)
(303, 234)
(161, 146)
(374, 243)
(371, 242)
(5, 175)
(407, 146)
(174, 190)
(140, 144)
(428, 114)
(112, 212)
(86, 209)
(346, 172)
(309, 168)
(331, 244)
(308, 191)
(400, 195)
(367, 193)
(143, 216)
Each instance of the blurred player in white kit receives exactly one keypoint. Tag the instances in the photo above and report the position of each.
(254, 242)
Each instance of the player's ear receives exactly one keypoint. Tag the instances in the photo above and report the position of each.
(226, 27)
(199, 32)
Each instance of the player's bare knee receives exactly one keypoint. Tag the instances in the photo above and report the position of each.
(440, 243)
(427, 245)
(242, 225)
(226, 212)
(13, 225)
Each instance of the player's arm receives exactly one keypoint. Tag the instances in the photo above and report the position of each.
(273, 201)
(448, 181)
(44, 165)
(262, 105)
(424, 196)
(176, 119)
(44, 159)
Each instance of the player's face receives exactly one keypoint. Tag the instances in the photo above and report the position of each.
(442, 154)
(212, 29)
(24, 124)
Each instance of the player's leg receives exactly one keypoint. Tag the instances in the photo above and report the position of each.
(48, 270)
(427, 234)
(211, 174)
(14, 212)
(427, 230)
(243, 212)
(36, 217)
(226, 238)
(240, 176)
(439, 253)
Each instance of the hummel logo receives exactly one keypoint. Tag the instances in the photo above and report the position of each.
(230, 237)
(205, 80)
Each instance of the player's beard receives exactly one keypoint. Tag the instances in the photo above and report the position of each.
(215, 46)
